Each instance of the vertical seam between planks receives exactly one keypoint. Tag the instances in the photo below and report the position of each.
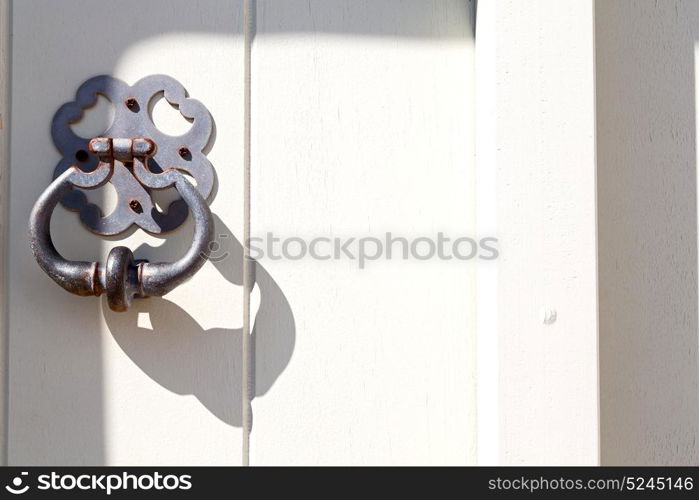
(247, 376)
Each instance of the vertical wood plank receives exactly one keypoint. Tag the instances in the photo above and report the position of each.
(647, 161)
(362, 125)
(5, 50)
(548, 387)
(160, 384)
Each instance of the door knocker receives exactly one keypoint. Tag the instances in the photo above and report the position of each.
(135, 157)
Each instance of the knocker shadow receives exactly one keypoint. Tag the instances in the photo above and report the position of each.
(187, 359)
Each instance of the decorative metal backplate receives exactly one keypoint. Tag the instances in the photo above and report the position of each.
(132, 118)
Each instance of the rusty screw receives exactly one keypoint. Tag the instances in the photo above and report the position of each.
(184, 152)
(131, 103)
(136, 206)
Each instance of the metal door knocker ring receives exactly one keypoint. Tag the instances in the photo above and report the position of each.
(127, 161)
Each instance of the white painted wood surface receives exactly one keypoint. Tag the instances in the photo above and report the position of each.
(5, 25)
(488, 360)
(548, 381)
(88, 386)
(647, 161)
(363, 124)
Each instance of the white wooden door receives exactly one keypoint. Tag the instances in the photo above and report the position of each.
(361, 123)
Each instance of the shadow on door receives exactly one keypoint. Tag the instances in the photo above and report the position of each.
(647, 223)
(58, 406)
